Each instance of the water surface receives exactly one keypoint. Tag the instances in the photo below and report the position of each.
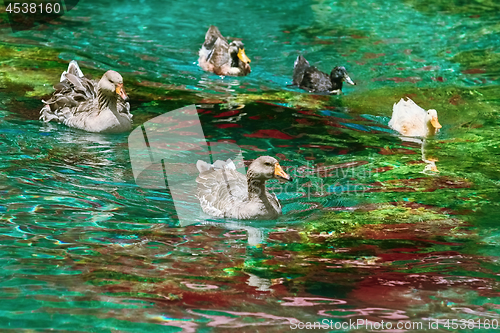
(369, 232)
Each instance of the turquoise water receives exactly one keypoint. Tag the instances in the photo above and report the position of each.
(368, 231)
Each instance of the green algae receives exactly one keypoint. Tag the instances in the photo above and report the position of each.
(478, 7)
(30, 67)
(485, 62)
(39, 68)
(335, 223)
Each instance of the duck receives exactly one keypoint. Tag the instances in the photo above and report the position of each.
(310, 78)
(85, 104)
(411, 120)
(225, 192)
(222, 58)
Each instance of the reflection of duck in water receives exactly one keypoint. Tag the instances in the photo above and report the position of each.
(223, 58)
(412, 121)
(312, 79)
(430, 163)
(224, 192)
(256, 237)
(89, 105)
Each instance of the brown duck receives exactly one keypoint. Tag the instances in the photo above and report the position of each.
(223, 58)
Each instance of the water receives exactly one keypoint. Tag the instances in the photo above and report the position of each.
(369, 232)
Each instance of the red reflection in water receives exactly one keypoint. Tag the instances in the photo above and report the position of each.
(269, 133)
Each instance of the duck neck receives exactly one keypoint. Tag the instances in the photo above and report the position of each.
(256, 189)
(336, 82)
(235, 61)
(106, 101)
(239, 66)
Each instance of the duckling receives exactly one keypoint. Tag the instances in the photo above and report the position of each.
(409, 119)
(223, 58)
(89, 105)
(313, 80)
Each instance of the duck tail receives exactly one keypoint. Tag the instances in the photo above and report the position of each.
(213, 30)
(212, 34)
(299, 67)
(301, 62)
(74, 69)
(203, 166)
(229, 164)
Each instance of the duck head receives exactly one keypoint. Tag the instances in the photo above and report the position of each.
(111, 84)
(237, 52)
(266, 167)
(432, 121)
(339, 75)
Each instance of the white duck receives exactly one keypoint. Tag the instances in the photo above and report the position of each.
(413, 122)
(409, 119)
(89, 105)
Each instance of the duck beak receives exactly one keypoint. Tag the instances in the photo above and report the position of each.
(243, 57)
(348, 80)
(435, 123)
(279, 173)
(120, 91)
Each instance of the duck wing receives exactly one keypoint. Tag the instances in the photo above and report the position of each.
(220, 187)
(299, 67)
(315, 80)
(219, 55)
(74, 94)
(82, 85)
(73, 68)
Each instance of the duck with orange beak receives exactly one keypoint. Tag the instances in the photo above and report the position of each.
(409, 119)
(222, 58)
(88, 105)
(224, 192)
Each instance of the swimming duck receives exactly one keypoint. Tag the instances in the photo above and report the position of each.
(225, 192)
(89, 105)
(313, 80)
(409, 119)
(223, 58)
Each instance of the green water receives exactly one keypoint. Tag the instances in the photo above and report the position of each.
(368, 232)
